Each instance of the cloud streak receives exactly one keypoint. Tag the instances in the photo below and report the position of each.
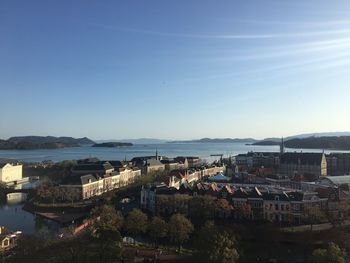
(224, 36)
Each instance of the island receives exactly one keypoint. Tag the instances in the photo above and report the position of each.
(113, 144)
(266, 143)
(42, 142)
(325, 142)
(217, 140)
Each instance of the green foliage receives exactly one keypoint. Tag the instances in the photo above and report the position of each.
(215, 246)
(106, 215)
(28, 244)
(157, 229)
(202, 208)
(47, 192)
(109, 243)
(332, 142)
(113, 144)
(333, 254)
(136, 222)
(180, 229)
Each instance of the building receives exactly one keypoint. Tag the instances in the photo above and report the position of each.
(171, 164)
(179, 177)
(89, 185)
(153, 165)
(292, 164)
(193, 161)
(10, 172)
(258, 159)
(253, 203)
(99, 167)
(338, 164)
(7, 239)
(335, 180)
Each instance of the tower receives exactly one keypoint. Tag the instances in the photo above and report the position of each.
(282, 148)
(156, 154)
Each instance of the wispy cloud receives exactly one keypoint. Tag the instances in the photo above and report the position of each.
(309, 65)
(225, 36)
(344, 22)
(335, 45)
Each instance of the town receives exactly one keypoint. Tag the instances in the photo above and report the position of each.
(291, 191)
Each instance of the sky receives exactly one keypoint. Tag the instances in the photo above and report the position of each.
(181, 69)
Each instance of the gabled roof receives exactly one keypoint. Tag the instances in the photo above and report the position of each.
(101, 166)
(153, 162)
(335, 180)
(79, 179)
(302, 158)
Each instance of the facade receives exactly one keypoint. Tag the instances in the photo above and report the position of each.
(193, 161)
(7, 239)
(153, 165)
(338, 164)
(10, 172)
(249, 203)
(258, 159)
(176, 178)
(292, 164)
(90, 185)
(99, 167)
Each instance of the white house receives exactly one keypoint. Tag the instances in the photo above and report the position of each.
(10, 172)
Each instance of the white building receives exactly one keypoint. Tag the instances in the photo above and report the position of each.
(10, 172)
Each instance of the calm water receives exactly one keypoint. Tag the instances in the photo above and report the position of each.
(14, 218)
(203, 150)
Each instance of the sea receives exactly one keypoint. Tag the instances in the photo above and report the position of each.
(202, 150)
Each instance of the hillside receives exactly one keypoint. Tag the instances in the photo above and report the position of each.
(50, 139)
(267, 143)
(217, 140)
(113, 144)
(41, 142)
(332, 143)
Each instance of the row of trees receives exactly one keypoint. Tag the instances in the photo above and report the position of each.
(51, 193)
(210, 243)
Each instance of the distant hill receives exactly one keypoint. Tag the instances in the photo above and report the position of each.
(329, 143)
(41, 142)
(267, 142)
(277, 141)
(50, 139)
(135, 141)
(113, 144)
(217, 140)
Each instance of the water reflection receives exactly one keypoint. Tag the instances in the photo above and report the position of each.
(14, 218)
(15, 198)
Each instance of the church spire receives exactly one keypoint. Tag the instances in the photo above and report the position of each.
(282, 148)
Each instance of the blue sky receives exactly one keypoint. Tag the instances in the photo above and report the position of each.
(174, 69)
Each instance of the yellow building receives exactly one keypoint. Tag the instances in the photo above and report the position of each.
(10, 172)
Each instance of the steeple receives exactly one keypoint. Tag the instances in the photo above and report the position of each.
(282, 148)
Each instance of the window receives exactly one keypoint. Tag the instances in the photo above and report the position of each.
(276, 206)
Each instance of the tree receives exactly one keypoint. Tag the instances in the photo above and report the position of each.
(106, 215)
(333, 254)
(180, 229)
(314, 214)
(28, 244)
(214, 246)
(136, 222)
(202, 208)
(157, 229)
(244, 211)
(223, 208)
(109, 240)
